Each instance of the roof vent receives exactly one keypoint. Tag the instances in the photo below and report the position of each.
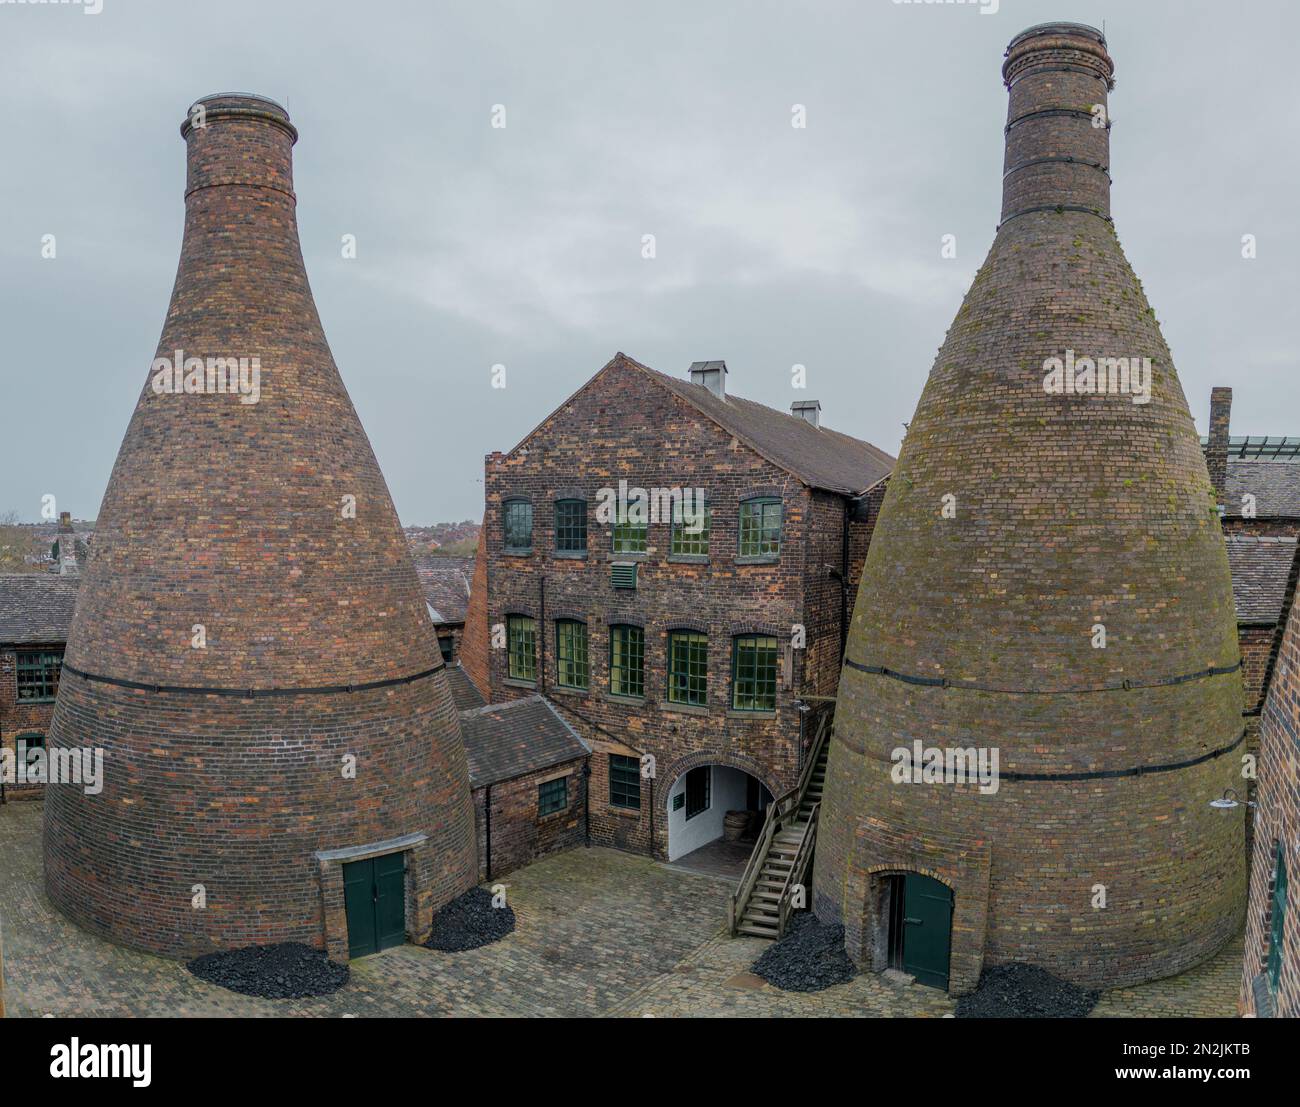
(810, 411)
(711, 374)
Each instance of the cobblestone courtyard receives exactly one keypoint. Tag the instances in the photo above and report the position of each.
(599, 933)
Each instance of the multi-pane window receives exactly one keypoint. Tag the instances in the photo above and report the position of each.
(518, 524)
(521, 647)
(629, 536)
(571, 526)
(1277, 927)
(753, 673)
(624, 782)
(26, 745)
(699, 786)
(552, 796)
(691, 530)
(626, 661)
(688, 667)
(571, 667)
(38, 674)
(760, 528)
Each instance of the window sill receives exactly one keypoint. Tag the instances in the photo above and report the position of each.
(631, 701)
(42, 699)
(515, 682)
(614, 556)
(552, 816)
(688, 559)
(757, 559)
(566, 690)
(736, 713)
(623, 812)
(684, 708)
(570, 555)
(516, 553)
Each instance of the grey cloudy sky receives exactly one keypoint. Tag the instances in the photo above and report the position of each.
(522, 246)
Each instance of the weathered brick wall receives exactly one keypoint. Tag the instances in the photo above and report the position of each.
(19, 718)
(622, 425)
(1069, 510)
(474, 642)
(282, 541)
(519, 836)
(1277, 821)
(1256, 643)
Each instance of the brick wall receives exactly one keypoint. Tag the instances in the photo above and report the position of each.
(19, 718)
(519, 835)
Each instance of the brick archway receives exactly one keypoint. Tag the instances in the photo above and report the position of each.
(680, 767)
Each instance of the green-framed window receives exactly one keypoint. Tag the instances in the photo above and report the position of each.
(687, 542)
(571, 668)
(552, 796)
(38, 674)
(629, 536)
(688, 667)
(624, 782)
(517, 522)
(699, 790)
(571, 526)
(626, 661)
(521, 647)
(753, 672)
(760, 528)
(25, 745)
(1277, 921)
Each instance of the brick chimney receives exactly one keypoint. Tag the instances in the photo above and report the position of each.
(1216, 452)
(67, 546)
(810, 411)
(712, 375)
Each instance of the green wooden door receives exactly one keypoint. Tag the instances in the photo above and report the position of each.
(374, 896)
(927, 929)
(1277, 928)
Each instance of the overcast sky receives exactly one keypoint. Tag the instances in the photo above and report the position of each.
(522, 246)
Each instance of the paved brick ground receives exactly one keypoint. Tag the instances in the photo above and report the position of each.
(599, 932)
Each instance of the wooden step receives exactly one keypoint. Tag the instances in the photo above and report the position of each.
(756, 931)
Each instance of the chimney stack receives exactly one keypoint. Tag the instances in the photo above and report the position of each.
(1216, 452)
(810, 411)
(258, 714)
(712, 375)
(67, 545)
(1048, 585)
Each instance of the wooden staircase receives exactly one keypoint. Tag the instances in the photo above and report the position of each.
(782, 856)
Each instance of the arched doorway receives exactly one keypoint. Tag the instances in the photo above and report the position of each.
(918, 921)
(698, 803)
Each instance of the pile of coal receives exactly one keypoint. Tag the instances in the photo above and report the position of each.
(286, 970)
(1023, 991)
(470, 921)
(809, 958)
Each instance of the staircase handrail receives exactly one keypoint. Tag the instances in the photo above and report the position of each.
(798, 870)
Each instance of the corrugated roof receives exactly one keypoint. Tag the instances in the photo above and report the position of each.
(506, 740)
(36, 607)
(1260, 568)
(1274, 484)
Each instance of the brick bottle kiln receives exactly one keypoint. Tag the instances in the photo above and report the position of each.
(1021, 522)
(251, 619)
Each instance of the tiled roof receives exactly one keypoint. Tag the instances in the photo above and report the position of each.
(818, 456)
(1274, 484)
(506, 740)
(463, 693)
(1260, 567)
(36, 607)
(445, 581)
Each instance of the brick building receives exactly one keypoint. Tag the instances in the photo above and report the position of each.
(1047, 581)
(251, 650)
(35, 614)
(688, 650)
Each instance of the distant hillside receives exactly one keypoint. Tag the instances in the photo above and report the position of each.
(444, 539)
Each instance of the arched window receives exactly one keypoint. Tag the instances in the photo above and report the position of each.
(753, 672)
(517, 523)
(760, 527)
